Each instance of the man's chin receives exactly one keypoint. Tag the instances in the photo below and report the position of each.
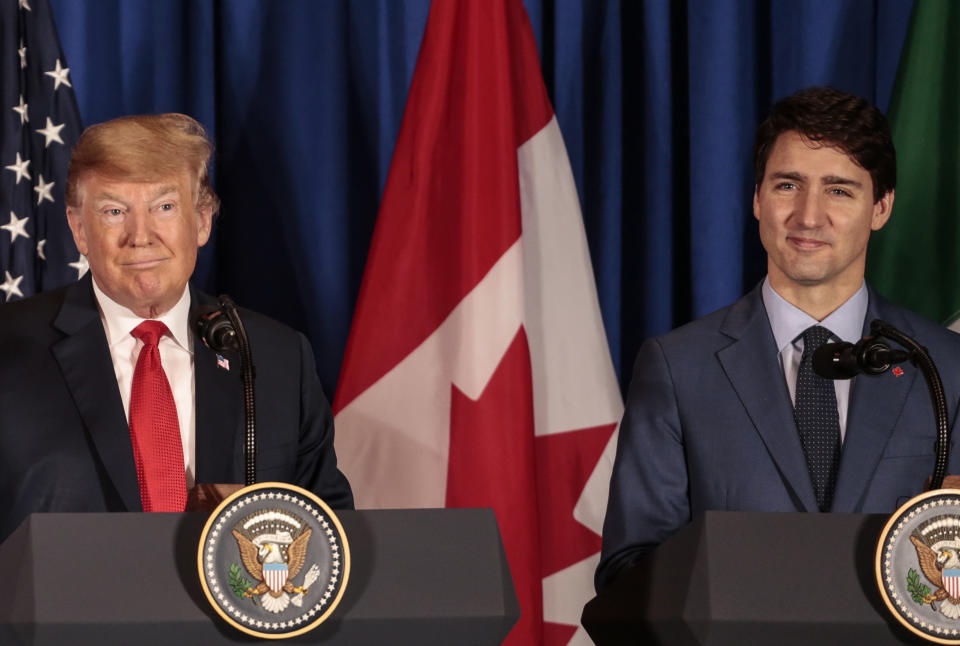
(807, 273)
(153, 300)
(809, 280)
(802, 277)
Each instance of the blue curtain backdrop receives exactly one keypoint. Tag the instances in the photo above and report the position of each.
(657, 101)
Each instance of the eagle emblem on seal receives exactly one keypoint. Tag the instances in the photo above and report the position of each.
(273, 549)
(273, 560)
(937, 541)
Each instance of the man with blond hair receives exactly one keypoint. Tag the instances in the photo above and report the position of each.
(109, 401)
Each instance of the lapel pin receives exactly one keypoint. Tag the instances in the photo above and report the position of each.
(897, 371)
(224, 364)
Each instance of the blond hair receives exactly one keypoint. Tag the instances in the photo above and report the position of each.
(144, 148)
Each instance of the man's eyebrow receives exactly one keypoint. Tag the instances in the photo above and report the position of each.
(107, 195)
(837, 179)
(160, 192)
(791, 175)
(163, 190)
(825, 180)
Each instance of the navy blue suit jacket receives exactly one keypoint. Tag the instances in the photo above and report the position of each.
(709, 426)
(64, 439)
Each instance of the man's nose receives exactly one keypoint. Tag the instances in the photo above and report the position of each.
(810, 212)
(137, 227)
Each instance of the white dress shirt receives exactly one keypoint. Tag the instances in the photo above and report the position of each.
(176, 356)
(788, 323)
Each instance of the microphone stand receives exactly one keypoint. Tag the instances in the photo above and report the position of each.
(920, 358)
(249, 401)
(221, 335)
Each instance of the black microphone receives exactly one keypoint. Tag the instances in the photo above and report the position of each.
(222, 329)
(217, 331)
(846, 360)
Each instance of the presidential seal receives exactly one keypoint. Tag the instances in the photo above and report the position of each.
(918, 565)
(273, 560)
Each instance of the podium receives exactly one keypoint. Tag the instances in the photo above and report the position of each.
(753, 578)
(418, 577)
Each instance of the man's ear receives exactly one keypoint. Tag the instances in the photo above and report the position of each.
(756, 201)
(204, 224)
(75, 221)
(881, 210)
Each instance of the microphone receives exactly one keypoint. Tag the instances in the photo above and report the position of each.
(217, 331)
(222, 329)
(846, 360)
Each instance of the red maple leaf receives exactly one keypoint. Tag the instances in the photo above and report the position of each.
(532, 484)
(564, 462)
(492, 464)
(557, 634)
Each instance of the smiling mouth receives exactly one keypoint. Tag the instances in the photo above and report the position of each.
(807, 244)
(144, 264)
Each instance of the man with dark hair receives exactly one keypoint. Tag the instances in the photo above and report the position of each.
(109, 400)
(839, 120)
(726, 413)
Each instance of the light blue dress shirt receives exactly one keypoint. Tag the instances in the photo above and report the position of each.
(788, 323)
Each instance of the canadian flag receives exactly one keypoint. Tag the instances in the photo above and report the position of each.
(477, 373)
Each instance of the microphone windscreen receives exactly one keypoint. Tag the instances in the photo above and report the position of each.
(217, 331)
(835, 361)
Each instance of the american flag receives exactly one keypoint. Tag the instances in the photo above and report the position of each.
(40, 125)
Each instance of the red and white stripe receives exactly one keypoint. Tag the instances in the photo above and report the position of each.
(951, 583)
(275, 578)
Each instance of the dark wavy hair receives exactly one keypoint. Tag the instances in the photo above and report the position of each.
(833, 118)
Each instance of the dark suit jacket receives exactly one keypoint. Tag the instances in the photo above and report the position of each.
(64, 439)
(709, 426)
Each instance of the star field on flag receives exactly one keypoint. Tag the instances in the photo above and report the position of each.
(39, 124)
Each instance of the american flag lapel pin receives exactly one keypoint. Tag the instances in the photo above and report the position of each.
(223, 363)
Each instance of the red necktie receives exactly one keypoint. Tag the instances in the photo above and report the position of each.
(154, 429)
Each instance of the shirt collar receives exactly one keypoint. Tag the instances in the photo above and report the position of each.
(119, 321)
(788, 321)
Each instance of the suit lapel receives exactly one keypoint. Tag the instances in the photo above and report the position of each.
(875, 406)
(84, 359)
(752, 366)
(219, 407)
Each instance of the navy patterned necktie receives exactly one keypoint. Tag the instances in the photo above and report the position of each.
(818, 421)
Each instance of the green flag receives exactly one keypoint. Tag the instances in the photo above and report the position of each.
(915, 259)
